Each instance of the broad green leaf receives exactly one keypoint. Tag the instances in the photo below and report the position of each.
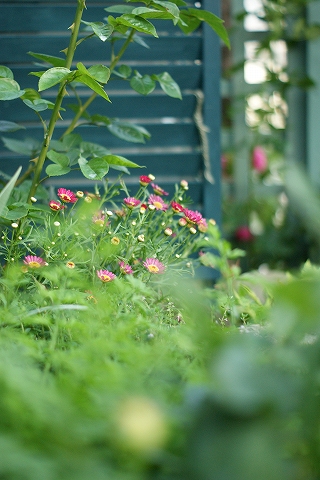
(89, 149)
(16, 211)
(58, 158)
(128, 132)
(124, 71)
(102, 30)
(140, 41)
(138, 23)
(55, 170)
(99, 73)
(93, 85)
(6, 126)
(121, 161)
(117, 26)
(86, 170)
(30, 94)
(169, 7)
(9, 89)
(143, 85)
(100, 166)
(71, 140)
(213, 21)
(28, 146)
(39, 104)
(55, 61)
(52, 77)
(168, 85)
(6, 191)
(100, 119)
(5, 72)
(188, 23)
(119, 9)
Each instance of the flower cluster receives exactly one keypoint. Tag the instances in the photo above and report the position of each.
(139, 235)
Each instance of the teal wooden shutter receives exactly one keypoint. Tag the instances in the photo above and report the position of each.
(180, 146)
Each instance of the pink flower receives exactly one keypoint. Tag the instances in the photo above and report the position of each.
(144, 180)
(243, 234)
(125, 268)
(157, 202)
(259, 159)
(191, 216)
(105, 276)
(176, 207)
(158, 189)
(34, 262)
(131, 202)
(67, 196)
(99, 219)
(55, 205)
(153, 265)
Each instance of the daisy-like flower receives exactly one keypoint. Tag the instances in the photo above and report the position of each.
(168, 232)
(153, 265)
(115, 240)
(144, 180)
(157, 202)
(193, 217)
(70, 264)
(99, 219)
(143, 208)
(125, 268)
(55, 205)
(33, 261)
(177, 207)
(105, 276)
(66, 196)
(131, 202)
(158, 190)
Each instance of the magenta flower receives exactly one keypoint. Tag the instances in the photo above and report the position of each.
(157, 202)
(153, 265)
(67, 196)
(243, 234)
(176, 207)
(192, 216)
(158, 190)
(33, 261)
(131, 202)
(56, 206)
(105, 276)
(144, 180)
(259, 159)
(125, 268)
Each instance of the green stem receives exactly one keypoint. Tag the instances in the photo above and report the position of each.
(55, 113)
(113, 64)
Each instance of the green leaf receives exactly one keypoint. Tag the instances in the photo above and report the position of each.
(168, 85)
(6, 191)
(55, 61)
(138, 23)
(99, 73)
(143, 85)
(58, 158)
(128, 132)
(6, 126)
(52, 77)
(56, 170)
(29, 146)
(86, 170)
(188, 23)
(121, 161)
(9, 89)
(5, 72)
(213, 21)
(16, 211)
(100, 29)
(119, 9)
(89, 149)
(39, 104)
(100, 166)
(140, 41)
(124, 71)
(93, 85)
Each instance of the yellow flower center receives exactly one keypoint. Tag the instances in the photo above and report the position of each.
(153, 269)
(158, 205)
(34, 264)
(105, 278)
